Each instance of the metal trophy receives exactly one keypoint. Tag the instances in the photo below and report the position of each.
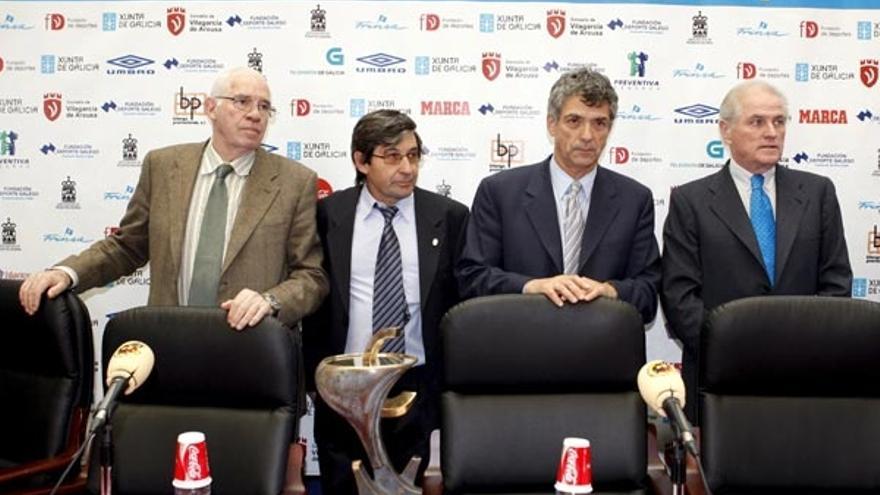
(356, 386)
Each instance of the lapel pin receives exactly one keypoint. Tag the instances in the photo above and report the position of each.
(435, 242)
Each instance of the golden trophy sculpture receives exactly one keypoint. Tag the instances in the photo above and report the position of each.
(356, 386)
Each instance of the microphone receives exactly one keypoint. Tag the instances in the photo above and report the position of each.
(129, 367)
(663, 390)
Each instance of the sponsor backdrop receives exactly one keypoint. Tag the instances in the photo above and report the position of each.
(87, 88)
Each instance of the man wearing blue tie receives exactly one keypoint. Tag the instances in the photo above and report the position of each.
(751, 229)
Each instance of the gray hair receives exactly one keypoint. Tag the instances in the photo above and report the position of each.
(731, 105)
(223, 82)
(592, 87)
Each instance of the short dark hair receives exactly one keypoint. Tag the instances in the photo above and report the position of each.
(592, 87)
(378, 128)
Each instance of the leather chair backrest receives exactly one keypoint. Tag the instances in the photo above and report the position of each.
(46, 370)
(791, 396)
(522, 374)
(242, 389)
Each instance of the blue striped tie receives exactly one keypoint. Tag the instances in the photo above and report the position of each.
(761, 213)
(389, 298)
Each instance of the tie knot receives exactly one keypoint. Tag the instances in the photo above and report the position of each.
(757, 181)
(574, 188)
(387, 211)
(222, 171)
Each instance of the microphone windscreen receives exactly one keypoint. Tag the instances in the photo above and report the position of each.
(133, 359)
(658, 381)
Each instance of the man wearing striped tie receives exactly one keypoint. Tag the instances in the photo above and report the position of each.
(389, 250)
(566, 227)
(753, 228)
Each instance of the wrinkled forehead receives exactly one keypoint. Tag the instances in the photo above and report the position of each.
(250, 85)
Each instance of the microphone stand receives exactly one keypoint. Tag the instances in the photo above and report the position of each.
(675, 456)
(107, 458)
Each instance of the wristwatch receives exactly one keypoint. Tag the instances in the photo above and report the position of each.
(273, 303)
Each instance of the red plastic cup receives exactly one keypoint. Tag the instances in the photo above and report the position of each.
(575, 474)
(191, 468)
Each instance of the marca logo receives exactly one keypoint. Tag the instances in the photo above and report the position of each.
(445, 108)
(429, 22)
(52, 106)
(54, 22)
(300, 107)
(555, 22)
(176, 20)
(868, 72)
(809, 29)
(491, 65)
(746, 70)
(619, 155)
(822, 116)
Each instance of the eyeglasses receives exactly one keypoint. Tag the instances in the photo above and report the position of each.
(395, 157)
(246, 103)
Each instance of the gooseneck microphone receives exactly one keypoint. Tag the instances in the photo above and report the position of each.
(663, 390)
(129, 366)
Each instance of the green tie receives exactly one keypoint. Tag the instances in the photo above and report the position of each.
(212, 239)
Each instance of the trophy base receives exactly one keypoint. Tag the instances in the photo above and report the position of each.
(387, 482)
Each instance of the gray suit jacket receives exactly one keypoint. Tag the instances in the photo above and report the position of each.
(711, 254)
(273, 246)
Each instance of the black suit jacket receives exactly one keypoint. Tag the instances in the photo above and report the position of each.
(513, 236)
(440, 225)
(711, 254)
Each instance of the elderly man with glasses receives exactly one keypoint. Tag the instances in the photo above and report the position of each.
(223, 223)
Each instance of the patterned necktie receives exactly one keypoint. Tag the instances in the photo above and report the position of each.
(573, 228)
(761, 213)
(212, 240)
(389, 298)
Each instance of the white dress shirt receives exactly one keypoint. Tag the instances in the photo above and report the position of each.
(742, 179)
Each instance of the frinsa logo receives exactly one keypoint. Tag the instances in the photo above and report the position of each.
(445, 108)
(130, 65)
(816, 116)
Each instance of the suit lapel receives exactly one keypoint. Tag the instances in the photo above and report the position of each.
(260, 190)
(728, 207)
(604, 207)
(429, 234)
(182, 178)
(540, 207)
(790, 207)
(340, 231)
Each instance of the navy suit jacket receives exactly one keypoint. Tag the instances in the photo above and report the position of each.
(711, 255)
(513, 236)
(440, 225)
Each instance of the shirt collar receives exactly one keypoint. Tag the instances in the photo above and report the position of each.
(241, 165)
(561, 180)
(743, 176)
(405, 206)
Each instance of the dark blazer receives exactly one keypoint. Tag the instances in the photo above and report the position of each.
(438, 219)
(711, 255)
(513, 236)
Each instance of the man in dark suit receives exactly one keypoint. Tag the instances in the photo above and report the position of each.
(565, 227)
(354, 225)
(751, 229)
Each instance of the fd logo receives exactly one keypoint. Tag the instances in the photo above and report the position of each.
(746, 70)
(491, 65)
(809, 29)
(52, 106)
(54, 22)
(869, 72)
(619, 155)
(176, 20)
(430, 22)
(555, 22)
(300, 108)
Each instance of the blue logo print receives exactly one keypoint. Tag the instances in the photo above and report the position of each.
(358, 107)
(802, 72)
(47, 64)
(423, 66)
(487, 23)
(108, 22)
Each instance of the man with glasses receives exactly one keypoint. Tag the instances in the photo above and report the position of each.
(752, 228)
(223, 223)
(566, 227)
(389, 250)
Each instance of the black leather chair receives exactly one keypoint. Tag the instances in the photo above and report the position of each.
(242, 389)
(46, 369)
(521, 375)
(791, 396)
